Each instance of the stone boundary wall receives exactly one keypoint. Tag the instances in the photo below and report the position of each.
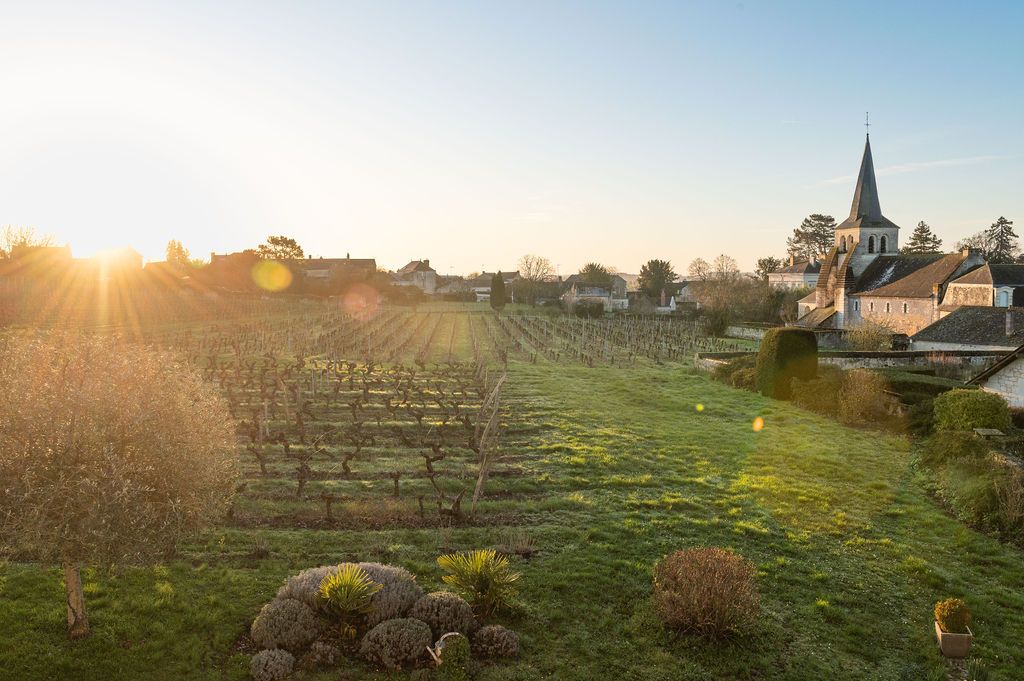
(827, 338)
(707, 361)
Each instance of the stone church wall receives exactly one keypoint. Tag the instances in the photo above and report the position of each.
(968, 294)
(920, 313)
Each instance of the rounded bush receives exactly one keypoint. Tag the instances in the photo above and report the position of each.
(454, 658)
(271, 665)
(746, 379)
(495, 641)
(706, 591)
(305, 586)
(444, 612)
(321, 654)
(397, 643)
(785, 354)
(394, 600)
(286, 623)
(963, 409)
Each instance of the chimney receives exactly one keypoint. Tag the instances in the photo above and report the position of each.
(427, 263)
(792, 260)
(1009, 322)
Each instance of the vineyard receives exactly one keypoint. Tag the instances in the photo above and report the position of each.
(396, 419)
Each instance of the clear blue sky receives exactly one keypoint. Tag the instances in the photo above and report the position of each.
(471, 133)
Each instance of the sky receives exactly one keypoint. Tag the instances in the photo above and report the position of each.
(471, 133)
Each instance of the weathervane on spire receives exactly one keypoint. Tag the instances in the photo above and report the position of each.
(867, 123)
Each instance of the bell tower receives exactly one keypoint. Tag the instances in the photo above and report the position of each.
(866, 234)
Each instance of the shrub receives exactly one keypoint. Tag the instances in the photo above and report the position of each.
(271, 665)
(863, 398)
(495, 641)
(454, 659)
(953, 616)
(305, 586)
(723, 372)
(483, 576)
(706, 591)
(745, 379)
(589, 309)
(955, 445)
(963, 409)
(921, 417)
(110, 453)
(819, 394)
(869, 336)
(444, 612)
(286, 623)
(346, 594)
(785, 354)
(321, 654)
(393, 601)
(396, 643)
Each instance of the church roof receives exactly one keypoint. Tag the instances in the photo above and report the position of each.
(817, 317)
(994, 275)
(866, 211)
(907, 275)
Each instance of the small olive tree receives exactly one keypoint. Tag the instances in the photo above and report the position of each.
(109, 453)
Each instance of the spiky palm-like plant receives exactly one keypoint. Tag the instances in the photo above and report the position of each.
(346, 594)
(483, 576)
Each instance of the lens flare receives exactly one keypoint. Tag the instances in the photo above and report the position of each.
(361, 299)
(271, 275)
(700, 407)
(758, 424)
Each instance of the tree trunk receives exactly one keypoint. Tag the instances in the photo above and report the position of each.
(78, 621)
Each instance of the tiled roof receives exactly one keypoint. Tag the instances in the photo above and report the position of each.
(805, 267)
(971, 325)
(994, 275)
(906, 275)
(417, 266)
(817, 317)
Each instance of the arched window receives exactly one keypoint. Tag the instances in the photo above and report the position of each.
(881, 245)
(871, 244)
(842, 245)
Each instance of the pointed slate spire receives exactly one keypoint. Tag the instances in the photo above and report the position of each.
(865, 196)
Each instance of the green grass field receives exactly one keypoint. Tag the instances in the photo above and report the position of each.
(617, 468)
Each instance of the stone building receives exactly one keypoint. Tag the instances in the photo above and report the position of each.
(417, 273)
(864, 277)
(796, 274)
(992, 285)
(973, 328)
(1005, 378)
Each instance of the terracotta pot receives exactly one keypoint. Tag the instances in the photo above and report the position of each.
(953, 645)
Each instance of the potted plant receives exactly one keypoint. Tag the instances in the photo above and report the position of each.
(951, 619)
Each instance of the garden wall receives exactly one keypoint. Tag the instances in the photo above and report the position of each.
(850, 359)
(827, 338)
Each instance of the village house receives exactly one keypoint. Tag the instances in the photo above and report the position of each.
(994, 285)
(417, 273)
(612, 295)
(480, 285)
(864, 277)
(796, 274)
(1005, 378)
(973, 328)
(337, 268)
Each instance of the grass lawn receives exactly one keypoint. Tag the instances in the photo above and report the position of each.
(621, 468)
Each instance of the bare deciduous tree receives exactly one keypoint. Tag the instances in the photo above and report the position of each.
(109, 453)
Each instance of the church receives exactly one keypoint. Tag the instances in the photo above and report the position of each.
(865, 277)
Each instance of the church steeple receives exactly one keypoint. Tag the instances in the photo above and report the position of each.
(865, 196)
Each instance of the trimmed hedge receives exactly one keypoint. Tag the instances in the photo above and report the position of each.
(963, 409)
(786, 354)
